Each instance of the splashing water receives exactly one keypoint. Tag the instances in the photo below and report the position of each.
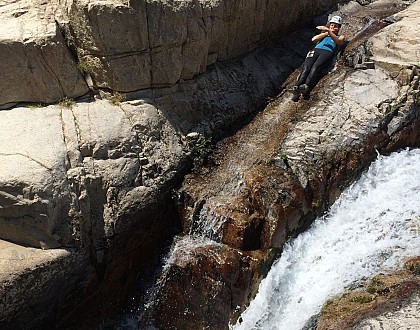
(371, 228)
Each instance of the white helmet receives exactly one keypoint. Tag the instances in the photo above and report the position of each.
(336, 19)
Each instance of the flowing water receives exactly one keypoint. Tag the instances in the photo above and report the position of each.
(370, 229)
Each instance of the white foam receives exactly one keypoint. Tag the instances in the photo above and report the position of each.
(373, 225)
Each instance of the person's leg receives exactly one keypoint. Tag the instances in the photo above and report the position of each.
(311, 58)
(322, 56)
(307, 65)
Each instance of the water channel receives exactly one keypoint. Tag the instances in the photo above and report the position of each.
(370, 229)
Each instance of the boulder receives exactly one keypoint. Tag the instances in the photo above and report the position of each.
(198, 277)
(389, 48)
(80, 176)
(386, 301)
(35, 193)
(35, 62)
(45, 280)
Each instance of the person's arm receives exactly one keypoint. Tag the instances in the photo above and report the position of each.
(320, 36)
(338, 40)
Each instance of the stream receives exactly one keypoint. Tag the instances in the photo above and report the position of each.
(370, 229)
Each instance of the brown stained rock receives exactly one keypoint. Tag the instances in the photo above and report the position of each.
(202, 285)
(237, 226)
(280, 200)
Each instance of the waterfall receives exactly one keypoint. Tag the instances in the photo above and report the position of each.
(370, 229)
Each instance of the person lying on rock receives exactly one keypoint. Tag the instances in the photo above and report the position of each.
(328, 45)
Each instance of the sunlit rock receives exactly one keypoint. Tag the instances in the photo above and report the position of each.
(94, 178)
(35, 62)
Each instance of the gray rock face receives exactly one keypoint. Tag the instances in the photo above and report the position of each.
(51, 50)
(346, 116)
(165, 42)
(79, 179)
(35, 63)
(29, 279)
(61, 151)
(33, 171)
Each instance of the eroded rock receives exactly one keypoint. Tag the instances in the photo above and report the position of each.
(102, 171)
(199, 277)
(325, 144)
(35, 276)
(79, 180)
(386, 301)
(166, 42)
(35, 61)
(56, 49)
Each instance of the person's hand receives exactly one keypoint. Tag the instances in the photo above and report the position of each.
(322, 28)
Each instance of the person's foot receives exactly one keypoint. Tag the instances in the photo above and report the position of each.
(304, 91)
(296, 93)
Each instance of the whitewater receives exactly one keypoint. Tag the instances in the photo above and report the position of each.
(370, 229)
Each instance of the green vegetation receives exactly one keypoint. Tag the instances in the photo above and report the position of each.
(34, 105)
(316, 203)
(116, 98)
(377, 286)
(400, 103)
(416, 270)
(362, 299)
(201, 147)
(66, 102)
(283, 156)
(84, 67)
(413, 265)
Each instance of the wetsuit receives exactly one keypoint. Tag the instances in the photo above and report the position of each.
(323, 52)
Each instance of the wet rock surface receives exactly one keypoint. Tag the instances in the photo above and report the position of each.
(317, 147)
(203, 284)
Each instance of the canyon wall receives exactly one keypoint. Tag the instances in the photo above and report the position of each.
(87, 186)
(56, 49)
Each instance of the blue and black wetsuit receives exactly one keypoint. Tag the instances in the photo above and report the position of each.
(316, 58)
